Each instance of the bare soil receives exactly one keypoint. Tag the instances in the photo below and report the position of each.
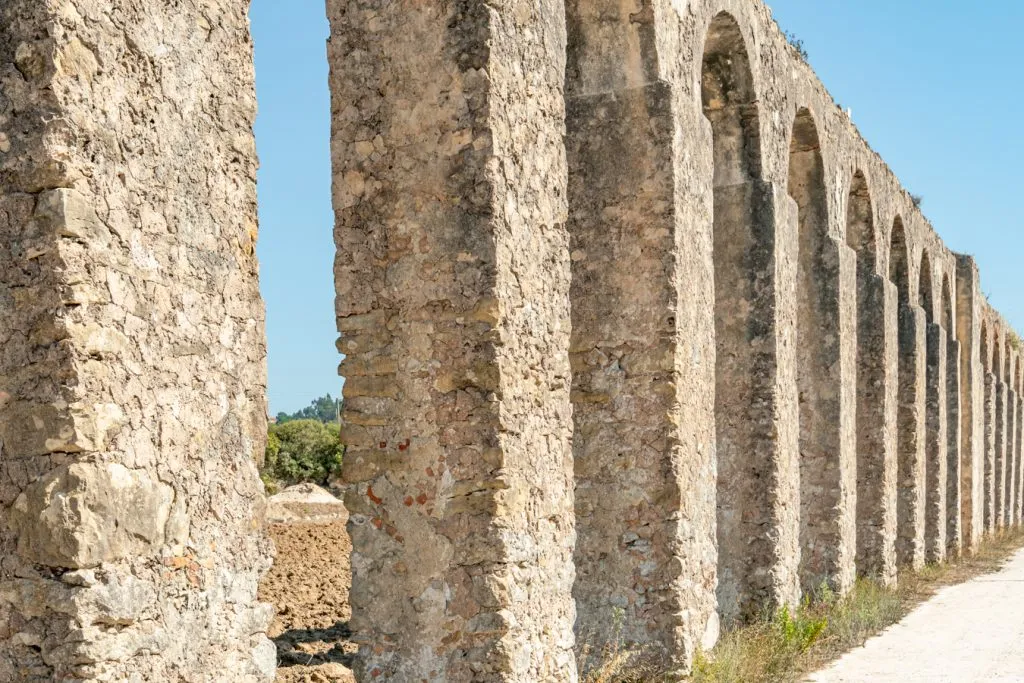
(308, 586)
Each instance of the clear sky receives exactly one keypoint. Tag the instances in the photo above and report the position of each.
(934, 86)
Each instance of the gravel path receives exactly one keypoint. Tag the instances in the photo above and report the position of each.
(973, 632)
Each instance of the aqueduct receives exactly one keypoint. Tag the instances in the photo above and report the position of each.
(640, 336)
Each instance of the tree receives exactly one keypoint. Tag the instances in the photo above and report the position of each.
(303, 451)
(324, 409)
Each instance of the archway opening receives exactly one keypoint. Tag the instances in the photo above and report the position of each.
(308, 583)
(924, 291)
(874, 512)
(821, 492)
(743, 257)
(899, 272)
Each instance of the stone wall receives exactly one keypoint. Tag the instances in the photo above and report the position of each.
(779, 373)
(640, 336)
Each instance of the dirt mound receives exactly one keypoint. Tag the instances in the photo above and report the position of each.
(304, 503)
(308, 586)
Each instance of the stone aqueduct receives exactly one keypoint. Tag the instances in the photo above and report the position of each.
(639, 336)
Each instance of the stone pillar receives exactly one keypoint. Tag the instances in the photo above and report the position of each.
(644, 432)
(910, 542)
(1019, 453)
(828, 465)
(877, 380)
(954, 467)
(990, 452)
(972, 392)
(1009, 513)
(132, 380)
(453, 306)
(936, 465)
(999, 519)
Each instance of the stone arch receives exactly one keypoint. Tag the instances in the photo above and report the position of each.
(924, 289)
(874, 528)
(997, 353)
(948, 320)
(860, 224)
(1007, 357)
(986, 353)
(743, 246)
(818, 384)
(899, 271)
(729, 100)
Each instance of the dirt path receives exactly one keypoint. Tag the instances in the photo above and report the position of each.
(969, 633)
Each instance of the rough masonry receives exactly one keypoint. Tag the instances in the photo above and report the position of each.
(640, 338)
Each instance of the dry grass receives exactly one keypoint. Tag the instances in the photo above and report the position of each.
(784, 647)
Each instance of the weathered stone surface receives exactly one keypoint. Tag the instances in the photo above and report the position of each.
(936, 442)
(991, 430)
(132, 382)
(84, 515)
(971, 335)
(453, 260)
(606, 268)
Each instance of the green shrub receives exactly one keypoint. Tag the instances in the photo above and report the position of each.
(302, 451)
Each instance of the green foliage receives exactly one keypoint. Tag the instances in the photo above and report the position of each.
(801, 629)
(301, 451)
(1013, 339)
(324, 409)
(797, 45)
(917, 199)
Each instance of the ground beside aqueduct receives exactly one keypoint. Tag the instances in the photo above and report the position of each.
(640, 338)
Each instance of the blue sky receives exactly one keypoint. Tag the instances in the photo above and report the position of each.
(935, 87)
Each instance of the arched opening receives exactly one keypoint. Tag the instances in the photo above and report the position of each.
(822, 496)
(954, 460)
(948, 315)
(935, 418)
(875, 517)
(986, 358)
(899, 272)
(727, 93)
(743, 258)
(910, 423)
(997, 355)
(924, 290)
